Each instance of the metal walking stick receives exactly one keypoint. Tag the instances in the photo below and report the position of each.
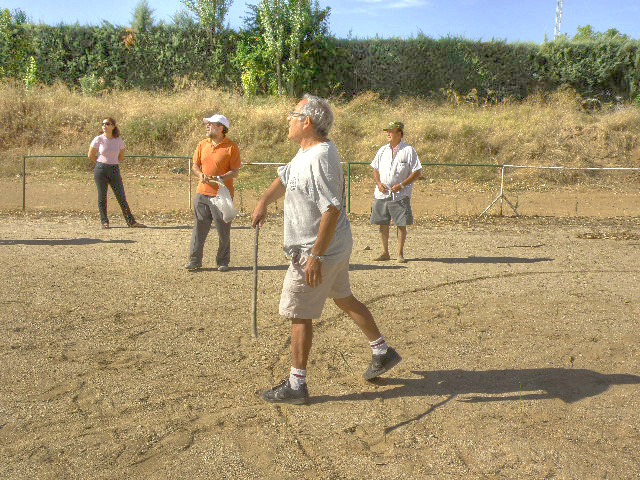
(254, 316)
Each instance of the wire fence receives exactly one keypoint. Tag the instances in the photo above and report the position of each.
(500, 199)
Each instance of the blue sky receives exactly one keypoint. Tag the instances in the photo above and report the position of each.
(511, 20)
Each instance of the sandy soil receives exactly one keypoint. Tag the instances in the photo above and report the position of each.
(519, 336)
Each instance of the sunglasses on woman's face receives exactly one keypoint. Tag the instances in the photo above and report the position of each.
(106, 123)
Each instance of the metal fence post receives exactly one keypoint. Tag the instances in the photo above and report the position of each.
(189, 173)
(24, 183)
(348, 187)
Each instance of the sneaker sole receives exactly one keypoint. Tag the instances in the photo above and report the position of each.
(293, 401)
(384, 369)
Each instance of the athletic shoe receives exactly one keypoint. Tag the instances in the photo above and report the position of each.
(382, 363)
(137, 225)
(283, 393)
(402, 260)
(223, 268)
(382, 258)
(192, 266)
(105, 225)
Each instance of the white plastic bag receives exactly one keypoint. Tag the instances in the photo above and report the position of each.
(224, 202)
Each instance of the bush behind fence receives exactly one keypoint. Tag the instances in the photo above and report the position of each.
(167, 57)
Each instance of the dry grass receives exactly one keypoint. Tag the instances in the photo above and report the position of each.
(550, 129)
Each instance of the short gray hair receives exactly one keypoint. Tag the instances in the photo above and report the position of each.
(319, 111)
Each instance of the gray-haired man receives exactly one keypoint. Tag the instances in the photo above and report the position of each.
(317, 238)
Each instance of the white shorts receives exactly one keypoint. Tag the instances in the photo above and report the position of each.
(299, 300)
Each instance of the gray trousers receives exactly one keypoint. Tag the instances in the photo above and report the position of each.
(205, 214)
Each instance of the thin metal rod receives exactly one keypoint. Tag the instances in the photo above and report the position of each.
(501, 189)
(349, 187)
(254, 297)
(24, 183)
(190, 187)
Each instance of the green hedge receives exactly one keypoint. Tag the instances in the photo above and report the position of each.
(158, 59)
(422, 66)
(127, 59)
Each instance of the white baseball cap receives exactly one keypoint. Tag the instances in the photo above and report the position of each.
(221, 119)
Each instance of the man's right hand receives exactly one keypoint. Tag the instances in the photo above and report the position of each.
(382, 187)
(259, 215)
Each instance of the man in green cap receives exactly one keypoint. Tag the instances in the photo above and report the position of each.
(395, 167)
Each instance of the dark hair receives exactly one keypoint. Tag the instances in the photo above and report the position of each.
(116, 132)
(224, 129)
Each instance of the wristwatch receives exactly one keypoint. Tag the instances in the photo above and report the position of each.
(320, 258)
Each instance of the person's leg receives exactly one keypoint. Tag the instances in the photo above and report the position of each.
(294, 390)
(400, 211)
(102, 183)
(301, 340)
(223, 257)
(201, 227)
(383, 357)
(384, 240)
(380, 216)
(402, 236)
(118, 190)
(360, 314)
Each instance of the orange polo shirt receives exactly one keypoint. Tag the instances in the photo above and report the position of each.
(216, 160)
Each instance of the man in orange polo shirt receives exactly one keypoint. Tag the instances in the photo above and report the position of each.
(216, 159)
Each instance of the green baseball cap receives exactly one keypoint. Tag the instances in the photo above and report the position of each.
(394, 125)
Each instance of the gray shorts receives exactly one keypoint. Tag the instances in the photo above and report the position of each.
(299, 300)
(384, 210)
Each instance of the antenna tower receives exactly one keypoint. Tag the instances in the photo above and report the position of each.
(556, 30)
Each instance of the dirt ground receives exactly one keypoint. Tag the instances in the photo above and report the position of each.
(519, 336)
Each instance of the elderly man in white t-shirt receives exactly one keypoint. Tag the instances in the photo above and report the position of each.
(317, 239)
(395, 167)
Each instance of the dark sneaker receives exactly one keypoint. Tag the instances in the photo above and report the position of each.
(283, 393)
(192, 266)
(382, 363)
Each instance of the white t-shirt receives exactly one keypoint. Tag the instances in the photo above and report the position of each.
(314, 181)
(108, 149)
(394, 169)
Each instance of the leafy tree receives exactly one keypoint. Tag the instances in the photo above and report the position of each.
(287, 39)
(588, 33)
(142, 19)
(15, 48)
(210, 13)
(20, 17)
(183, 19)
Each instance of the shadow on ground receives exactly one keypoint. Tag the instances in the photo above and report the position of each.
(352, 268)
(568, 385)
(472, 259)
(62, 241)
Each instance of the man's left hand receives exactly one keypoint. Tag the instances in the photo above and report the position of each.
(397, 187)
(313, 272)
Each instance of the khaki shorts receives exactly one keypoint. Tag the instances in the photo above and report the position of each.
(384, 210)
(299, 300)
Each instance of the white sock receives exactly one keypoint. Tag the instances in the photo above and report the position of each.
(379, 346)
(297, 378)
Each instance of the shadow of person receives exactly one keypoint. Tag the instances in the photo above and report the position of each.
(473, 259)
(352, 267)
(62, 241)
(568, 385)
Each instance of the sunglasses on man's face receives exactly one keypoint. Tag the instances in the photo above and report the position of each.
(106, 123)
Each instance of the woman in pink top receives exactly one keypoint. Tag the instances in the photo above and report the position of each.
(107, 150)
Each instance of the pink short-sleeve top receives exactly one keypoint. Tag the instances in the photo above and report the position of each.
(108, 149)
